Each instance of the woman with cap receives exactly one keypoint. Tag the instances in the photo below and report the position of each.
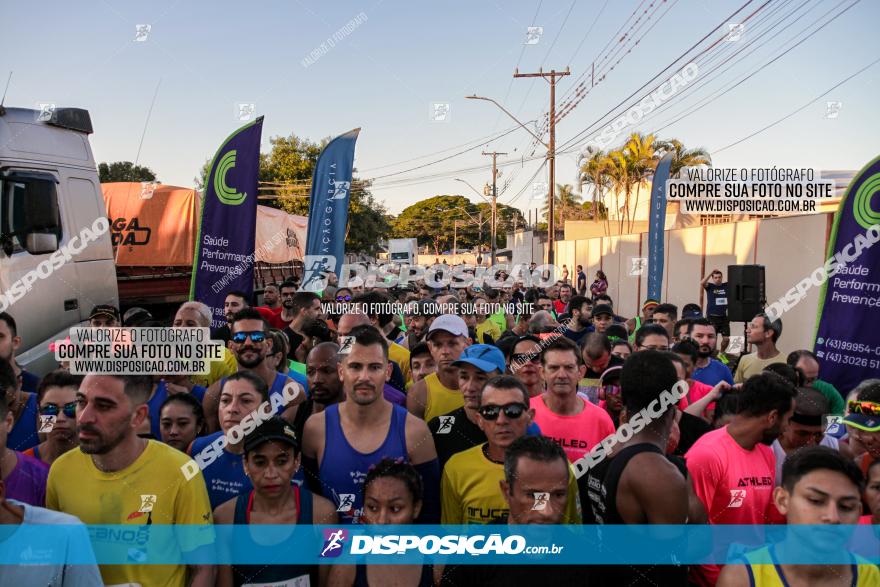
(271, 458)
(392, 495)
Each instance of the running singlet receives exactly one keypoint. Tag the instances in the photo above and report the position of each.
(24, 433)
(343, 469)
(765, 571)
(276, 389)
(275, 575)
(440, 399)
(577, 434)
(224, 476)
(598, 489)
(470, 494)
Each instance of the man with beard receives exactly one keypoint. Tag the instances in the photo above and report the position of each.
(235, 302)
(271, 297)
(562, 304)
(118, 478)
(763, 333)
(417, 318)
(348, 323)
(438, 393)
(581, 322)
(251, 345)
(733, 467)
(298, 309)
(325, 387)
(707, 370)
(525, 364)
(341, 443)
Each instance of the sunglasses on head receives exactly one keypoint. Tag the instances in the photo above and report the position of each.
(511, 411)
(523, 358)
(864, 407)
(52, 410)
(255, 336)
(346, 298)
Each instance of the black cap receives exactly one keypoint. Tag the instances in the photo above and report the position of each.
(272, 429)
(105, 310)
(616, 331)
(602, 309)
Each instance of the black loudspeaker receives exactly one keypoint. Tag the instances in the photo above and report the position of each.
(746, 293)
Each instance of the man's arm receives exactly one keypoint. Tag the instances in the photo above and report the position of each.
(289, 412)
(698, 407)
(313, 451)
(423, 455)
(417, 399)
(706, 280)
(733, 576)
(210, 405)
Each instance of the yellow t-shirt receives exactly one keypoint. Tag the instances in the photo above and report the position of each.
(470, 490)
(764, 570)
(751, 365)
(487, 327)
(219, 370)
(400, 355)
(441, 399)
(152, 490)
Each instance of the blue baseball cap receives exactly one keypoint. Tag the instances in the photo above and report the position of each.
(484, 357)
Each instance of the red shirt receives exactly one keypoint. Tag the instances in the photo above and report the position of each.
(734, 484)
(576, 434)
(272, 317)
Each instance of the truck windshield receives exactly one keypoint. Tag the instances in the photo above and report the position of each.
(399, 256)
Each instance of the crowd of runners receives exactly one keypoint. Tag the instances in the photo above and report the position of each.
(485, 417)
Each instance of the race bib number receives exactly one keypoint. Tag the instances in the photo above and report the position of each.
(720, 301)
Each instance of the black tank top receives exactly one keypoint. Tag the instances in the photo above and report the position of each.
(294, 574)
(598, 488)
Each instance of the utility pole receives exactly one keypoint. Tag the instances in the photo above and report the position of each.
(551, 150)
(494, 155)
(454, 239)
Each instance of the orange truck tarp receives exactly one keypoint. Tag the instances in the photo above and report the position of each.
(156, 225)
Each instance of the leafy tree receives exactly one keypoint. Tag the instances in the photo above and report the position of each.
(682, 157)
(287, 171)
(435, 221)
(508, 219)
(124, 171)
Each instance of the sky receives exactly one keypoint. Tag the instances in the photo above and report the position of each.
(398, 58)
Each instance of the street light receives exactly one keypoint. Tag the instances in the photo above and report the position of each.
(551, 156)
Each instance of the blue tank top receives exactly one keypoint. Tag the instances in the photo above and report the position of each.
(155, 405)
(224, 477)
(24, 433)
(343, 475)
(262, 574)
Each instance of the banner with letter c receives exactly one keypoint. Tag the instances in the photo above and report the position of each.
(224, 256)
(847, 336)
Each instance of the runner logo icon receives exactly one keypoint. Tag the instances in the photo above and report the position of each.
(446, 423)
(333, 541)
(346, 502)
(737, 496)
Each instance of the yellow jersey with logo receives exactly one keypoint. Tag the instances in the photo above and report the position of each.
(152, 490)
(470, 490)
(764, 570)
(440, 399)
(218, 370)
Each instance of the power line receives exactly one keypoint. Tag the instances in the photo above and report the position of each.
(789, 115)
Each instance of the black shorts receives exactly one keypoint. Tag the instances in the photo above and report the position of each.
(721, 324)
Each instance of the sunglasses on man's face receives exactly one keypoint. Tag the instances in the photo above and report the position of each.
(52, 410)
(343, 298)
(255, 336)
(864, 407)
(511, 411)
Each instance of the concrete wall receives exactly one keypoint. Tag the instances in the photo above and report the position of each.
(789, 248)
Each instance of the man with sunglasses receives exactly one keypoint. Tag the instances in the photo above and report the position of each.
(251, 345)
(563, 415)
(863, 424)
(470, 487)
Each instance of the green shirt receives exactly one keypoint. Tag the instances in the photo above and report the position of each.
(835, 400)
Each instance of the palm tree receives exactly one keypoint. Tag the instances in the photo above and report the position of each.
(566, 203)
(682, 157)
(594, 171)
(643, 153)
(621, 173)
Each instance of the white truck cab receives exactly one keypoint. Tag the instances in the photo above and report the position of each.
(55, 261)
